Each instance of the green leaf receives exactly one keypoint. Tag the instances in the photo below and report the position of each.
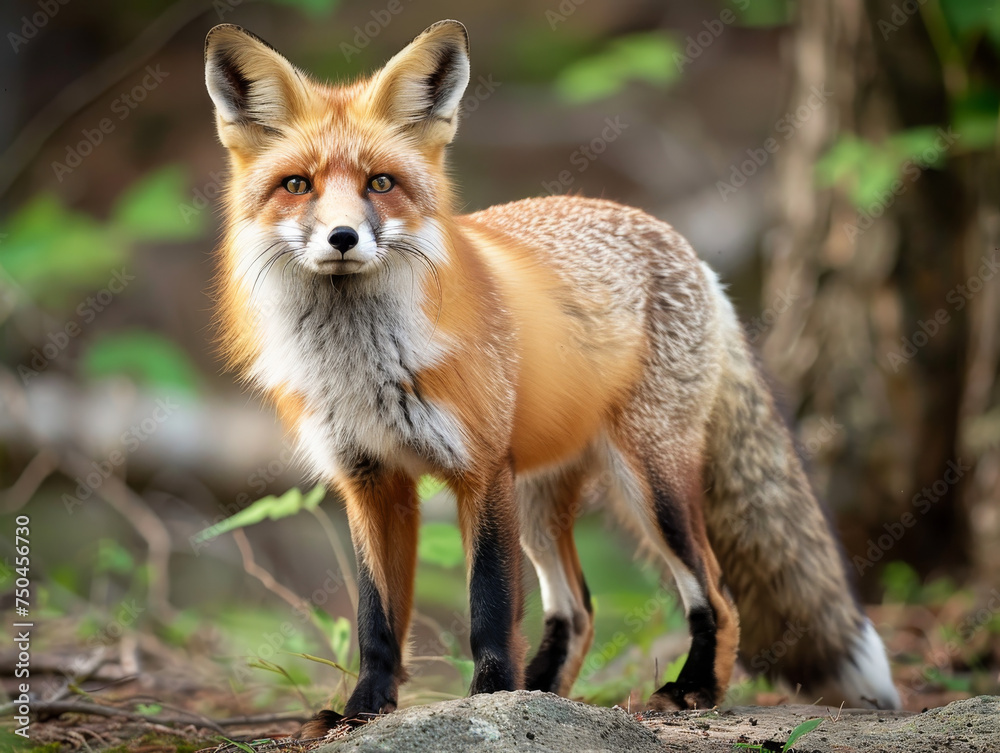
(242, 746)
(646, 57)
(148, 709)
(269, 507)
(440, 544)
(145, 356)
(949, 681)
(182, 627)
(969, 18)
(901, 583)
(17, 744)
(588, 80)
(314, 8)
(112, 557)
(844, 158)
(919, 144)
(974, 116)
(150, 208)
(340, 639)
(465, 667)
(867, 171)
(321, 660)
(763, 13)
(803, 729)
(53, 253)
(537, 55)
(673, 670)
(428, 486)
(257, 663)
(337, 632)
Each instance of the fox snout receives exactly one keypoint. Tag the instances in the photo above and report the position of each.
(343, 238)
(342, 249)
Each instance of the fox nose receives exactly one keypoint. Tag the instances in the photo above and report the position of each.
(343, 238)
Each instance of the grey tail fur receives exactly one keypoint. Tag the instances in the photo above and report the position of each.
(781, 560)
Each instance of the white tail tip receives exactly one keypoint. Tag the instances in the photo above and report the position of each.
(864, 679)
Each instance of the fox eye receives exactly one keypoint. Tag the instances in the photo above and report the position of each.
(297, 184)
(381, 183)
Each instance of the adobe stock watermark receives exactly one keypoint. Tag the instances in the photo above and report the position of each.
(786, 126)
(585, 155)
(130, 441)
(122, 106)
(942, 659)
(125, 616)
(764, 661)
(766, 319)
(484, 89)
(636, 618)
(923, 501)
(31, 25)
(958, 297)
(364, 34)
(696, 45)
(901, 13)
(223, 8)
(273, 643)
(201, 198)
(259, 480)
(56, 342)
(912, 170)
(561, 12)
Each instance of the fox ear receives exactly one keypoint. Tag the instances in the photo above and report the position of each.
(422, 85)
(255, 90)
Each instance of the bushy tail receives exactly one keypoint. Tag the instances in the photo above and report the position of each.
(799, 616)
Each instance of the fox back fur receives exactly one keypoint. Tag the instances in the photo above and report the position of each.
(514, 353)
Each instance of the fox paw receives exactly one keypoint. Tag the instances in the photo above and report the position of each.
(324, 723)
(680, 697)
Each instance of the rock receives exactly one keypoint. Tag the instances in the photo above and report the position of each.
(533, 721)
(522, 721)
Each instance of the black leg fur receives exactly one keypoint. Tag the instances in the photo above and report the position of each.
(543, 672)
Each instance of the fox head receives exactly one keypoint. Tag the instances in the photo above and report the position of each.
(334, 180)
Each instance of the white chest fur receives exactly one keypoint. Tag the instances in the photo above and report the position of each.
(352, 352)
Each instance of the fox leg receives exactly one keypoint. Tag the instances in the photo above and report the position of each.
(489, 522)
(549, 506)
(383, 514)
(663, 486)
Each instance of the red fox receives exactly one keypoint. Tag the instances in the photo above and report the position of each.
(513, 353)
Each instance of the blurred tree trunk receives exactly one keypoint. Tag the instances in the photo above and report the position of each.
(860, 290)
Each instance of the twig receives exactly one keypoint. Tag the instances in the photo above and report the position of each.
(35, 472)
(56, 708)
(134, 509)
(271, 584)
(87, 668)
(267, 580)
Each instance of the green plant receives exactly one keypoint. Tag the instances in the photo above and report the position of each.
(645, 57)
(803, 729)
(148, 358)
(961, 31)
(242, 746)
(269, 507)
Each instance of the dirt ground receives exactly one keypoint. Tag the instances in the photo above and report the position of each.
(544, 722)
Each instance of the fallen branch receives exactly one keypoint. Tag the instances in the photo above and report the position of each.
(57, 708)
